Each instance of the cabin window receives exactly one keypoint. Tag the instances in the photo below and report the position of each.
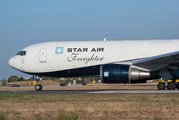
(22, 53)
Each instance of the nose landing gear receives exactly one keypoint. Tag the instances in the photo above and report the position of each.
(38, 87)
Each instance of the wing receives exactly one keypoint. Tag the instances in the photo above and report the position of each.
(158, 62)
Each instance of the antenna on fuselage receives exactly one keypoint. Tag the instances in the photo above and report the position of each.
(104, 39)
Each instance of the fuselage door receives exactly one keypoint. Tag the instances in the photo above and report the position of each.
(43, 55)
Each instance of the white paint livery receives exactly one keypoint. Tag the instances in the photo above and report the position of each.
(42, 57)
(149, 55)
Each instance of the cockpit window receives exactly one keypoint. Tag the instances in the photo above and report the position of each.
(22, 53)
(18, 53)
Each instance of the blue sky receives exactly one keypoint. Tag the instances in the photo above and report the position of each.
(27, 22)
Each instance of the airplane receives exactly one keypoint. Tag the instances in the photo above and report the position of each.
(124, 61)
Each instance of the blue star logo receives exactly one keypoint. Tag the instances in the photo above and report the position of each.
(106, 74)
(59, 50)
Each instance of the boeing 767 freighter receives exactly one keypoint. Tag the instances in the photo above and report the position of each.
(125, 61)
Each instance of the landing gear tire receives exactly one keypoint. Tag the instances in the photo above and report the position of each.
(177, 85)
(161, 86)
(171, 86)
(38, 87)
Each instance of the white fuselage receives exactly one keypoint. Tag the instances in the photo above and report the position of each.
(58, 56)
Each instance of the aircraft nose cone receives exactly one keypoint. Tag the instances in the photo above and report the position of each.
(11, 62)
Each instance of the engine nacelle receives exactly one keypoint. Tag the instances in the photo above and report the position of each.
(117, 73)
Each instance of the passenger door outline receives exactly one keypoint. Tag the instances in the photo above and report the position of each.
(43, 55)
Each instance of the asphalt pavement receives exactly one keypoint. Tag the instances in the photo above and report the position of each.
(93, 91)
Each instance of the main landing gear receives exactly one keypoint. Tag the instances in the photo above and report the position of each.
(161, 86)
(169, 86)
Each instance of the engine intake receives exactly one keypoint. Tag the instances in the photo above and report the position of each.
(117, 73)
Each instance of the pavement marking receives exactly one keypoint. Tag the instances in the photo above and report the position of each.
(93, 91)
(138, 91)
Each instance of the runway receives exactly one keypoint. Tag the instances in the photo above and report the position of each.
(149, 88)
(94, 91)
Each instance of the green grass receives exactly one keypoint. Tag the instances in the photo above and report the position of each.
(11, 95)
(168, 107)
(2, 117)
(89, 106)
(116, 99)
(143, 98)
(38, 117)
(68, 116)
(157, 118)
(17, 113)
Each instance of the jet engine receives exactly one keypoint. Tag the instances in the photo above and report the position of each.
(117, 73)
